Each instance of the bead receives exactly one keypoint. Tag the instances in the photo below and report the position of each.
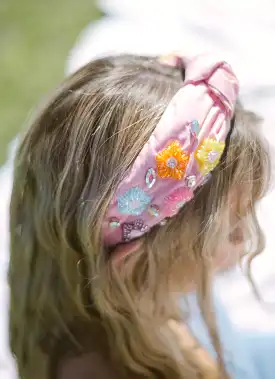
(133, 229)
(163, 222)
(133, 202)
(114, 223)
(153, 210)
(195, 127)
(212, 156)
(150, 178)
(172, 162)
(191, 181)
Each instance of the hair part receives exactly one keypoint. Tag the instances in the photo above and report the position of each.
(68, 166)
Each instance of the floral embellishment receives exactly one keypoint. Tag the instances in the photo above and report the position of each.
(114, 223)
(151, 177)
(133, 202)
(191, 181)
(195, 127)
(154, 210)
(176, 200)
(133, 229)
(208, 154)
(172, 162)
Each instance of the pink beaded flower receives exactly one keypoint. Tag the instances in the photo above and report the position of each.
(176, 200)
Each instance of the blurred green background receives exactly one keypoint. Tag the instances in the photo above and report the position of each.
(35, 39)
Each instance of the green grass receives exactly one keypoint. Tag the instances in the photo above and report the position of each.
(35, 38)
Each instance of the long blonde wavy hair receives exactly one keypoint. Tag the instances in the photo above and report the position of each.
(68, 165)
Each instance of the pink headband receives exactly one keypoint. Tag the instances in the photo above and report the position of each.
(185, 147)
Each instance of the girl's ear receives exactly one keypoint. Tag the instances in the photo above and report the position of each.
(121, 251)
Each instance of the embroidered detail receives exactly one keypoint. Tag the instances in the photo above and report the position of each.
(133, 202)
(153, 210)
(176, 200)
(195, 127)
(151, 177)
(133, 229)
(114, 223)
(191, 181)
(172, 162)
(208, 154)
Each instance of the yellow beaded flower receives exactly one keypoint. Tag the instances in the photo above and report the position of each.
(172, 162)
(208, 154)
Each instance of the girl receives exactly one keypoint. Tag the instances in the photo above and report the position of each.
(132, 184)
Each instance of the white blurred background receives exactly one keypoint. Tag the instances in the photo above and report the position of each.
(244, 32)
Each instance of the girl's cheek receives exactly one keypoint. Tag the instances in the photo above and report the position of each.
(232, 250)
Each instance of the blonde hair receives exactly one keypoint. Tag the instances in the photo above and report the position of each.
(69, 163)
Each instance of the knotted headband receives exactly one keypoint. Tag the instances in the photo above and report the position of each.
(184, 148)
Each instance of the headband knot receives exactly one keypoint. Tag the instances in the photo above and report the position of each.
(217, 74)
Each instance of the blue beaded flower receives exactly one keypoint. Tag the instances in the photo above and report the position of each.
(133, 202)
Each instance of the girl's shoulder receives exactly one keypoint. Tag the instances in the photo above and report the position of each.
(85, 354)
(86, 366)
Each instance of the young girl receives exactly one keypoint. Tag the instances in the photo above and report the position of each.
(135, 183)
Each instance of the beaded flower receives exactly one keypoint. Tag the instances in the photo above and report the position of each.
(133, 202)
(208, 154)
(172, 162)
(176, 200)
(133, 229)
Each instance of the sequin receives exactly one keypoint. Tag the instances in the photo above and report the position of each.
(195, 127)
(212, 156)
(133, 229)
(133, 202)
(191, 181)
(208, 154)
(176, 200)
(114, 223)
(150, 178)
(153, 210)
(172, 162)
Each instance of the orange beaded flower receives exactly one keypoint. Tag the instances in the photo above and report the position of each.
(208, 154)
(172, 162)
